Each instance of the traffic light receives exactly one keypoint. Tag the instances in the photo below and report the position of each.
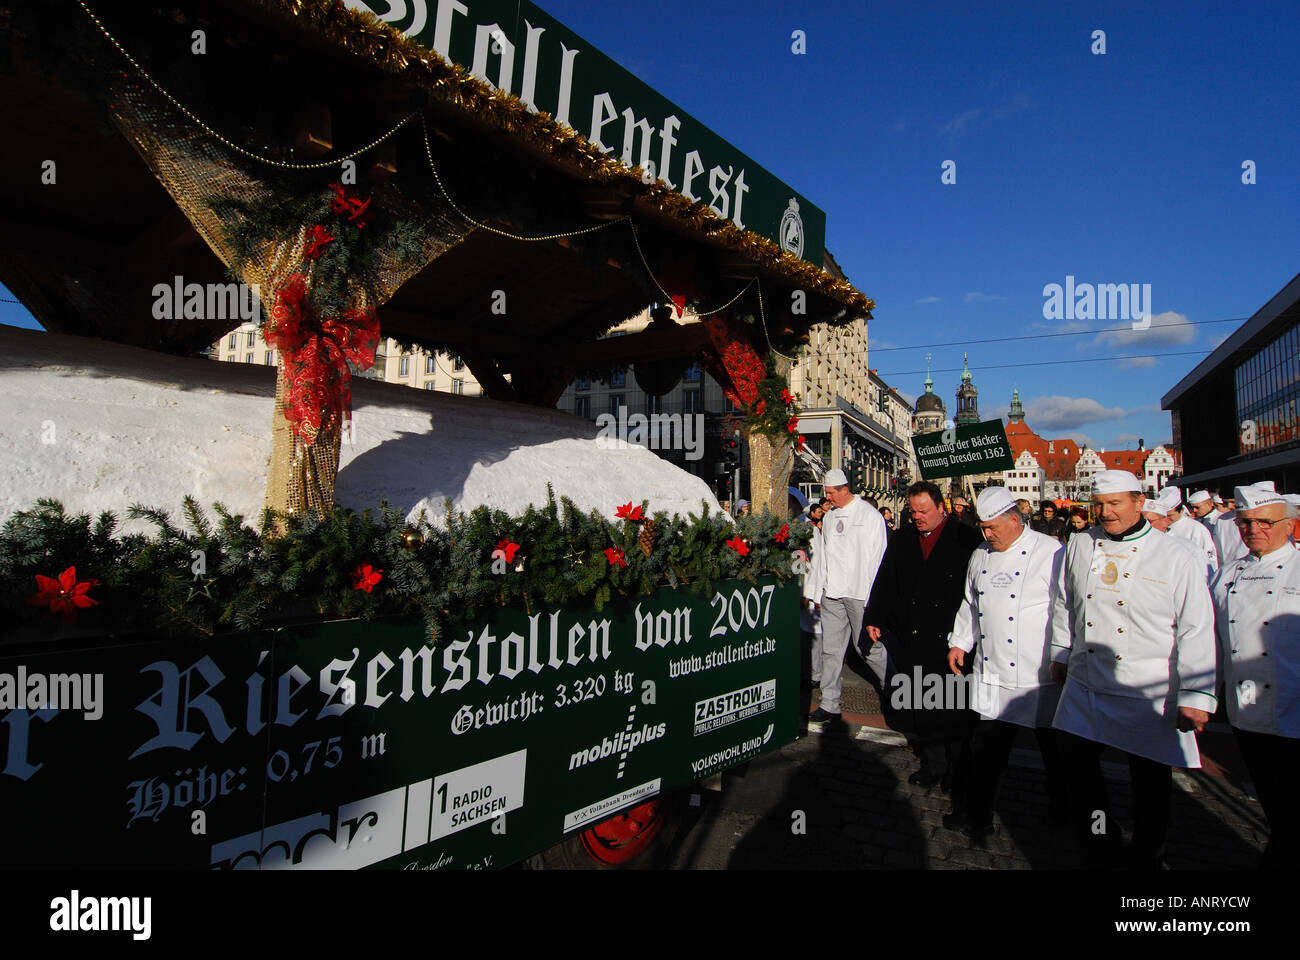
(729, 460)
(857, 475)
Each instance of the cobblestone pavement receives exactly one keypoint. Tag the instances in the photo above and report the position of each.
(846, 787)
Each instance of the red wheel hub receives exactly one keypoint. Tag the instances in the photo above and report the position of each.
(625, 836)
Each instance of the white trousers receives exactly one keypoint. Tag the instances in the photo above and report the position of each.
(841, 621)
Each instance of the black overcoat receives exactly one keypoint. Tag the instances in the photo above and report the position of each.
(914, 602)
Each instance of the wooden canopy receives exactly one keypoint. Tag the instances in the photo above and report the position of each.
(309, 81)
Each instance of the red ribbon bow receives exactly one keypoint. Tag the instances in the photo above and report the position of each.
(316, 354)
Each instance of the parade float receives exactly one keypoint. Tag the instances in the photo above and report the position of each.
(414, 632)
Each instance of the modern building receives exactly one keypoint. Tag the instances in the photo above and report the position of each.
(1234, 415)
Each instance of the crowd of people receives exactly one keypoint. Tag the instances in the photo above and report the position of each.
(1128, 632)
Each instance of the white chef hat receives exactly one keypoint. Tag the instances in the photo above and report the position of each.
(1253, 496)
(1171, 497)
(1115, 481)
(1200, 496)
(1154, 506)
(1265, 485)
(993, 502)
(1292, 501)
(1219, 500)
(835, 478)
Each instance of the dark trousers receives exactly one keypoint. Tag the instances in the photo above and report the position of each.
(1099, 835)
(1274, 765)
(947, 754)
(991, 746)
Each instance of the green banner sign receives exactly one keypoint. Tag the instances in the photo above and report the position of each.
(963, 451)
(514, 46)
(363, 745)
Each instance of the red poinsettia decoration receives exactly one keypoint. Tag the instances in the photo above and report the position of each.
(63, 595)
(629, 512)
(783, 534)
(615, 557)
(346, 202)
(792, 425)
(317, 238)
(762, 405)
(316, 354)
(801, 443)
(365, 577)
(786, 396)
(342, 198)
(740, 546)
(357, 212)
(505, 550)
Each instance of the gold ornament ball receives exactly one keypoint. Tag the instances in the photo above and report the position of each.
(412, 539)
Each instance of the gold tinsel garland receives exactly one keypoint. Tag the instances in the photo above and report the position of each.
(363, 34)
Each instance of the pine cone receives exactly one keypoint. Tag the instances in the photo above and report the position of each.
(647, 538)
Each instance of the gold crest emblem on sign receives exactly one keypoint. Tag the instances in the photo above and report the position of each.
(1110, 574)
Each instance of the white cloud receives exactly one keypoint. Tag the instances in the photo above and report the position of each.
(978, 117)
(976, 297)
(1133, 362)
(960, 122)
(929, 300)
(1064, 413)
(1167, 329)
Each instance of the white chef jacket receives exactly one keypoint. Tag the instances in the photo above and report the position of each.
(1005, 618)
(852, 545)
(1195, 533)
(812, 588)
(1227, 539)
(1257, 616)
(1134, 619)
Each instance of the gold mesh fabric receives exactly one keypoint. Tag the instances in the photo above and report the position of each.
(192, 165)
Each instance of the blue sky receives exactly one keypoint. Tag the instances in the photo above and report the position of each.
(1117, 168)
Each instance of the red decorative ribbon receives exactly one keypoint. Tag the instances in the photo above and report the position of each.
(316, 353)
(733, 363)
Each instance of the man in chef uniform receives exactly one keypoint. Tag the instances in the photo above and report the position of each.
(1003, 623)
(1202, 507)
(1133, 643)
(1226, 534)
(852, 544)
(1293, 500)
(1185, 528)
(1257, 617)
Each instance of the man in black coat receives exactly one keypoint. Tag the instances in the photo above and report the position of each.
(914, 600)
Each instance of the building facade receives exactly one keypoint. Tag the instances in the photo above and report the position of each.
(1235, 414)
(417, 368)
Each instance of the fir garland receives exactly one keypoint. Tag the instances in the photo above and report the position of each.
(775, 411)
(227, 577)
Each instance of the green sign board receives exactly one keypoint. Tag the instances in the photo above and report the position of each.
(964, 450)
(360, 744)
(514, 46)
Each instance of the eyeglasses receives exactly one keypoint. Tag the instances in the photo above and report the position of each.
(1265, 525)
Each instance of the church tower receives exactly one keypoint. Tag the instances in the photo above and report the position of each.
(1017, 414)
(968, 410)
(929, 414)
